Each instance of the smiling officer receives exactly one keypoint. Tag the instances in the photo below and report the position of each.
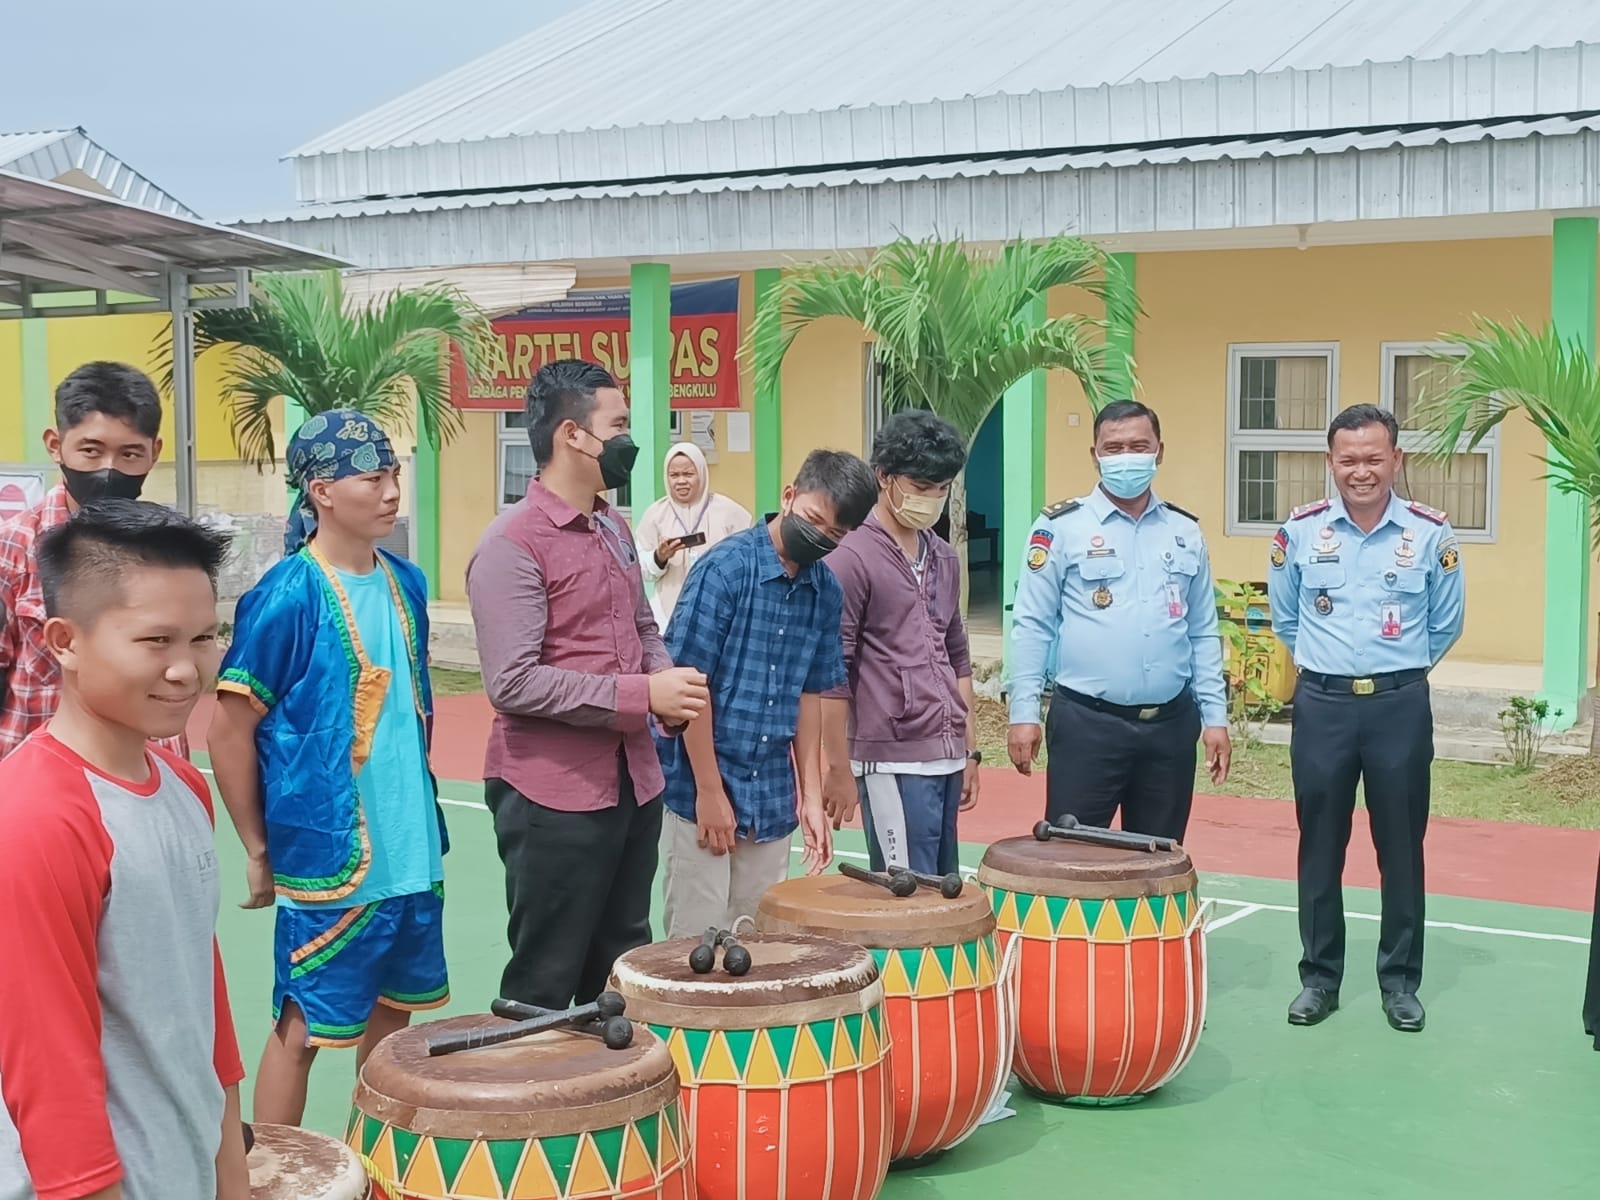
(1117, 590)
(1366, 592)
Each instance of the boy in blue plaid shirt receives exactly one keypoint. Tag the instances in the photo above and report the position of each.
(759, 616)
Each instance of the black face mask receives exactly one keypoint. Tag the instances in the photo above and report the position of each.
(616, 459)
(803, 542)
(106, 483)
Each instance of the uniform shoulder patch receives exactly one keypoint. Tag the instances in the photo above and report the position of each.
(1426, 513)
(1310, 510)
(1181, 511)
(1060, 508)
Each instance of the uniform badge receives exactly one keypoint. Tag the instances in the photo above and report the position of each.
(1181, 544)
(1037, 557)
(1449, 556)
(1102, 597)
(1325, 532)
(1323, 603)
(1326, 547)
(1389, 619)
(1097, 541)
(1407, 535)
(1390, 578)
(1280, 548)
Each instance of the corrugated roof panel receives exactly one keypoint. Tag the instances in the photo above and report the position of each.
(620, 63)
(55, 154)
(17, 145)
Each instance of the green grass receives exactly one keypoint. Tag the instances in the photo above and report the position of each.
(450, 682)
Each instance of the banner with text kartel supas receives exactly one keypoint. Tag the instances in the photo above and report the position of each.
(593, 324)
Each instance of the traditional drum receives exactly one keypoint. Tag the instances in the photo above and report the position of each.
(947, 1010)
(546, 1117)
(1111, 980)
(295, 1164)
(784, 1072)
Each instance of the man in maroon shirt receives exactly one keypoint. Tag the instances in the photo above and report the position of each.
(575, 668)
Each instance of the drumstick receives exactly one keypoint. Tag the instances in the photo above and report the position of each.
(606, 1006)
(900, 882)
(616, 1032)
(704, 956)
(1070, 831)
(948, 886)
(736, 959)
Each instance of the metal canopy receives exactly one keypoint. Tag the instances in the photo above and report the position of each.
(58, 243)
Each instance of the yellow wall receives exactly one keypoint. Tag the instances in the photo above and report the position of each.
(1360, 297)
(11, 447)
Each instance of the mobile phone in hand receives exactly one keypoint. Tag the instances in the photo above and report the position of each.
(693, 539)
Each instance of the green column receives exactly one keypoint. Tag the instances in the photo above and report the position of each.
(425, 473)
(767, 411)
(1022, 465)
(1119, 338)
(1566, 537)
(38, 412)
(650, 375)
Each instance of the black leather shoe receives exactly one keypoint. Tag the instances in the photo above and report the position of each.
(1313, 1006)
(1404, 1011)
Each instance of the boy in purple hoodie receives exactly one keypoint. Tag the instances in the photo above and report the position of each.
(906, 708)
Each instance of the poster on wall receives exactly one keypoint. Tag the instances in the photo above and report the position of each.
(593, 324)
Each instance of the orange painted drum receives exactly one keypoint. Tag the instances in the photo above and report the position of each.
(1111, 974)
(948, 1013)
(553, 1116)
(785, 1073)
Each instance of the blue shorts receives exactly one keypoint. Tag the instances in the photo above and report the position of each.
(337, 964)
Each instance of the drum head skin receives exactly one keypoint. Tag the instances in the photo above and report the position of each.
(793, 978)
(1068, 868)
(549, 1084)
(296, 1164)
(837, 906)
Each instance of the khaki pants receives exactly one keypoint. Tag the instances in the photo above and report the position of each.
(701, 889)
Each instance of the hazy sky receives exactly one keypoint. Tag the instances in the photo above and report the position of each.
(205, 99)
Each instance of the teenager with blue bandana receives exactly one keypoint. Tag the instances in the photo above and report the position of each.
(1116, 593)
(320, 748)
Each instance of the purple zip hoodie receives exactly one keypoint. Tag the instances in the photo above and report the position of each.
(905, 646)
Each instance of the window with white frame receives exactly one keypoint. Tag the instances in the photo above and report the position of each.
(1280, 399)
(515, 458)
(1465, 484)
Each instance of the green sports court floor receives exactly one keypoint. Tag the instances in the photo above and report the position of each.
(1499, 1097)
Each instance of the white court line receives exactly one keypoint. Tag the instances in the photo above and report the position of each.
(1245, 907)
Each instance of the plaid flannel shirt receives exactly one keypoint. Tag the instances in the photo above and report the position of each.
(30, 679)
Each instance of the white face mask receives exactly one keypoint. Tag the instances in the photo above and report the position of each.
(914, 511)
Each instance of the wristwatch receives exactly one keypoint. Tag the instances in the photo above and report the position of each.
(975, 755)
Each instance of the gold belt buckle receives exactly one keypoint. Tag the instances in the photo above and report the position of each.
(1363, 687)
(1149, 714)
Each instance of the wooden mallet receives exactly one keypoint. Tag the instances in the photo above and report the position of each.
(902, 883)
(1067, 829)
(948, 886)
(704, 956)
(736, 959)
(616, 1032)
(606, 1006)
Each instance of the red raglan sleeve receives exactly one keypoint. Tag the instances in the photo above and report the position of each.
(225, 1055)
(55, 868)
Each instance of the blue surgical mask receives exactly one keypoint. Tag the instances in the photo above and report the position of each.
(1127, 476)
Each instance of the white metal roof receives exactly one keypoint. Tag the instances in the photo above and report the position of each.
(1419, 180)
(70, 156)
(55, 238)
(623, 63)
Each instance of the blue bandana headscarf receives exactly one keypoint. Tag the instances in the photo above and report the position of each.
(331, 445)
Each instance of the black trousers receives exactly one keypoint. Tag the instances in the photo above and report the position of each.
(1591, 996)
(1102, 761)
(578, 888)
(1384, 741)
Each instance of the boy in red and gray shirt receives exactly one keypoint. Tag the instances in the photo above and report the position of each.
(118, 1062)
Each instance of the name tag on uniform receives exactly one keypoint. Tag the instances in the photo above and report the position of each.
(1102, 552)
(1389, 614)
(1174, 600)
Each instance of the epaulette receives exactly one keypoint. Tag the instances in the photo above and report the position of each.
(1311, 510)
(1426, 513)
(1060, 509)
(1181, 511)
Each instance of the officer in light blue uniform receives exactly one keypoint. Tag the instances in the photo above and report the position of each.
(1367, 593)
(1116, 592)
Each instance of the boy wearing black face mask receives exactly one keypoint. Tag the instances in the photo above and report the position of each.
(574, 666)
(106, 440)
(759, 615)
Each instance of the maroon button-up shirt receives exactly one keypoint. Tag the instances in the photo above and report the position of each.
(567, 644)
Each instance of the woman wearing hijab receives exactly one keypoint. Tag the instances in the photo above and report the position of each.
(689, 508)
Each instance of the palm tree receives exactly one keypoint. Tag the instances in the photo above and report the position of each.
(1551, 380)
(948, 330)
(300, 339)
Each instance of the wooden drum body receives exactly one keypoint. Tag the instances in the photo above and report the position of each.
(784, 1069)
(552, 1116)
(288, 1163)
(948, 1016)
(1111, 978)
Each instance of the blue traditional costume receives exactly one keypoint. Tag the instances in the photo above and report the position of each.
(336, 664)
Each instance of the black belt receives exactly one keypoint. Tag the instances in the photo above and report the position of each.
(1133, 712)
(1363, 685)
